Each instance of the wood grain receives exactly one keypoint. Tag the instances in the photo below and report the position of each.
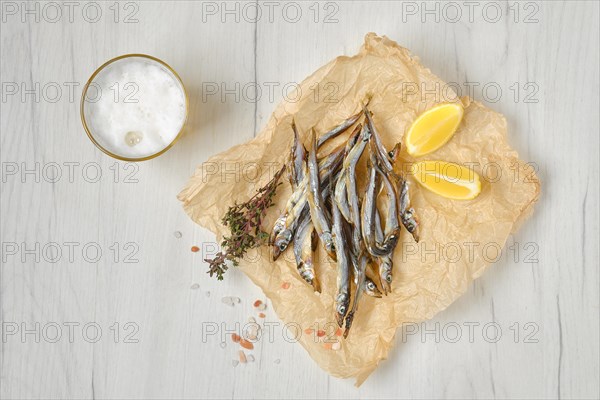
(542, 293)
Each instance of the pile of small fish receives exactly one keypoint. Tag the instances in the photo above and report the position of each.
(326, 207)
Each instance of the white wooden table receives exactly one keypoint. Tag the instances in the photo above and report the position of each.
(125, 323)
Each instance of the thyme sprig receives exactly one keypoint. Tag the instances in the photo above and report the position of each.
(245, 224)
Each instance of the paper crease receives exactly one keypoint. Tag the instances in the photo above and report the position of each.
(423, 284)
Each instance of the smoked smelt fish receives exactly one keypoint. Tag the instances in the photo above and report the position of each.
(327, 206)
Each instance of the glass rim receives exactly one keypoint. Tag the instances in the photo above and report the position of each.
(85, 124)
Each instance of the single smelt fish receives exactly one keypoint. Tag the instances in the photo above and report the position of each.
(303, 249)
(369, 209)
(342, 298)
(392, 225)
(316, 202)
(350, 163)
(283, 238)
(352, 139)
(298, 157)
(382, 153)
(278, 227)
(340, 192)
(339, 129)
(407, 213)
(360, 286)
(359, 258)
(340, 196)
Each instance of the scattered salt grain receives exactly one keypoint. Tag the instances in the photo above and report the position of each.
(261, 307)
(230, 300)
(207, 294)
(277, 361)
(177, 234)
(223, 345)
(251, 336)
(250, 357)
(235, 363)
(194, 286)
(251, 330)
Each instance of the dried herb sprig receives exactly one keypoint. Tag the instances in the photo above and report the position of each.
(245, 224)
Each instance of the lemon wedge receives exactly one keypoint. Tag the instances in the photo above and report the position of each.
(433, 128)
(448, 179)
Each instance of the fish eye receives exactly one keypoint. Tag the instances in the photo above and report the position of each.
(370, 286)
(342, 309)
(388, 279)
(282, 246)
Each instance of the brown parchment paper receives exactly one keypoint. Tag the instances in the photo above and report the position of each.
(465, 235)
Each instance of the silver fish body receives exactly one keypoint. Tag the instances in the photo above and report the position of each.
(369, 210)
(340, 192)
(303, 249)
(350, 163)
(342, 299)
(382, 153)
(341, 196)
(360, 285)
(392, 224)
(338, 129)
(386, 263)
(298, 157)
(316, 202)
(407, 213)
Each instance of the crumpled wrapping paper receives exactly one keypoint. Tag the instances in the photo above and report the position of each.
(424, 283)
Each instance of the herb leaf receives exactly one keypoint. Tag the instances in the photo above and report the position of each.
(245, 225)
